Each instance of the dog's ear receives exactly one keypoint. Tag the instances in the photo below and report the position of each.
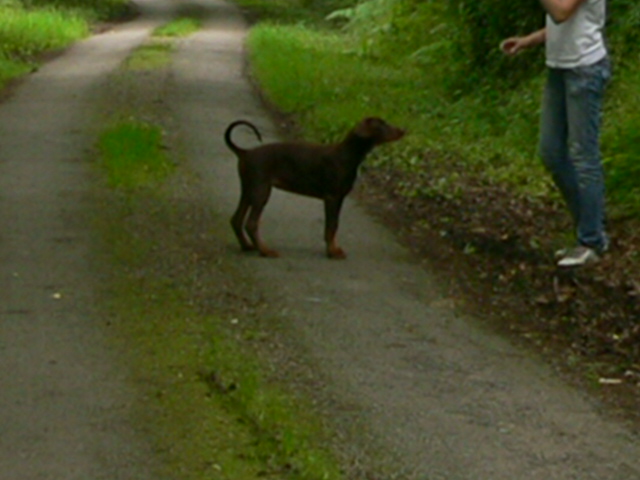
(369, 127)
(377, 129)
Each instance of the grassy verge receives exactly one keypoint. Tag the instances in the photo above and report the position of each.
(341, 85)
(327, 77)
(26, 33)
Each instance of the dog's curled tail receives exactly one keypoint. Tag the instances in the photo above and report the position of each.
(227, 134)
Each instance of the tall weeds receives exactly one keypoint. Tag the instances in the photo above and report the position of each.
(29, 28)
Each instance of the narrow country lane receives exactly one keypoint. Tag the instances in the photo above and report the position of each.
(414, 385)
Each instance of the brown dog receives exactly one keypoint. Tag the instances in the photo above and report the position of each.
(321, 171)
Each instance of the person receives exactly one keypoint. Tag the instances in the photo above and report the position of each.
(578, 70)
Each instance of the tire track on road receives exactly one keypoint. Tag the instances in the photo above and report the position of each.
(64, 402)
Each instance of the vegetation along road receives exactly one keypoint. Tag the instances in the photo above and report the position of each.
(137, 341)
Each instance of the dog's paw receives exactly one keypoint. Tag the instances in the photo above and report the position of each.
(268, 253)
(336, 254)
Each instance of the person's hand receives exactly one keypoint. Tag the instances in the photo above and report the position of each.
(513, 45)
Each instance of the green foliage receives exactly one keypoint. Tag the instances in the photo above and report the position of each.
(24, 33)
(435, 67)
(288, 11)
(425, 32)
(624, 29)
(12, 68)
(468, 32)
(621, 142)
(90, 9)
(340, 86)
(482, 25)
(29, 28)
(369, 16)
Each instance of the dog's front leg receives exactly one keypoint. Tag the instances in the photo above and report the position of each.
(332, 207)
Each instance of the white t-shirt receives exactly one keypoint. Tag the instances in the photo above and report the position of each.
(579, 41)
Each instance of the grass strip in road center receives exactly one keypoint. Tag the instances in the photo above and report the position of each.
(209, 405)
(133, 155)
(180, 27)
(156, 52)
(152, 55)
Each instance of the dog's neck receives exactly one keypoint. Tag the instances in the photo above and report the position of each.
(357, 146)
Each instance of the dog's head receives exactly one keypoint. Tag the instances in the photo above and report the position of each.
(378, 130)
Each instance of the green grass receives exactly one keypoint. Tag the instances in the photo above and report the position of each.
(12, 68)
(26, 33)
(621, 142)
(133, 155)
(341, 86)
(180, 27)
(29, 32)
(328, 78)
(91, 10)
(212, 411)
(155, 54)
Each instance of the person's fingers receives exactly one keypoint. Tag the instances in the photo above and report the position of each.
(509, 46)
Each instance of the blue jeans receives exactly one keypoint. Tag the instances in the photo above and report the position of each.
(570, 145)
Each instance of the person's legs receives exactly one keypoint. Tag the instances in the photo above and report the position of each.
(585, 91)
(554, 131)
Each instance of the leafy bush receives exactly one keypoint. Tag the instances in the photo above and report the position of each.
(464, 33)
(621, 141)
(292, 11)
(482, 25)
(90, 9)
(624, 28)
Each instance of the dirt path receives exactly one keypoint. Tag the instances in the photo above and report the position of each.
(413, 382)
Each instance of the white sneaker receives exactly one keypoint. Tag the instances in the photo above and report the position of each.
(578, 256)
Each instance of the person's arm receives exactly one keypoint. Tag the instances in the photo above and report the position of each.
(514, 45)
(561, 10)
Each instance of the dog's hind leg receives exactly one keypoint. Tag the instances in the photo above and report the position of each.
(237, 223)
(258, 201)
